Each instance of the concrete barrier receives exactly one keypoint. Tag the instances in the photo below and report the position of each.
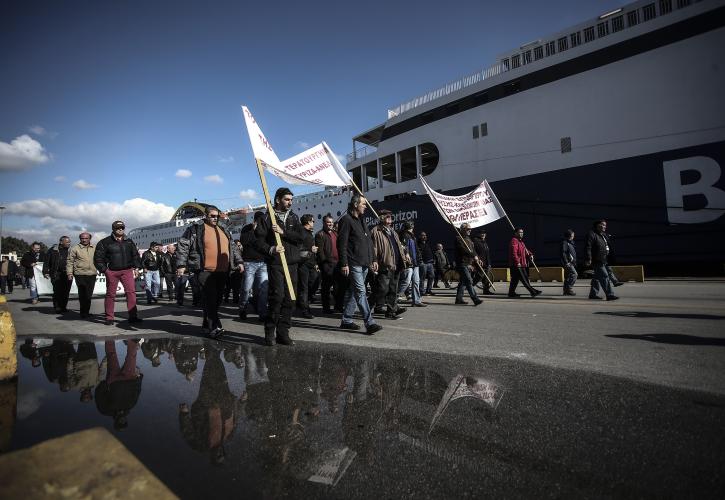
(629, 273)
(501, 274)
(547, 274)
(87, 464)
(8, 356)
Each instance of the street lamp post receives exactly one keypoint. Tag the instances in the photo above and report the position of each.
(2, 210)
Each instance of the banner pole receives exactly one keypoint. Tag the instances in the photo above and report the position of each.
(272, 218)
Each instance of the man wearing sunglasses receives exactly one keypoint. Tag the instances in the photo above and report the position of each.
(208, 250)
(117, 257)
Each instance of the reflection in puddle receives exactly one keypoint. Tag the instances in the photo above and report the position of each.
(316, 419)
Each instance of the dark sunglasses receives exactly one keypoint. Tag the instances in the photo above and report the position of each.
(119, 227)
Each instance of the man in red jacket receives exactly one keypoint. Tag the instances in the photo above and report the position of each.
(519, 264)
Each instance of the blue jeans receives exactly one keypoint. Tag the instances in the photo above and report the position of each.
(355, 295)
(153, 284)
(33, 288)
(601, 278)
(465, 281)
(411, 278)
(570, 276)
(255, 275)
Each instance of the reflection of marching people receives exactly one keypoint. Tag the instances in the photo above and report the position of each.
(519, 264)
(119, 392)
(84, 372)
(285, 223)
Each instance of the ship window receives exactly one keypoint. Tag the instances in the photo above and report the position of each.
(617, 23)
(526, 57)
(428, 158)
(550, 48)
(566, 144)
(575, 39)
(371, 175)
(648, 12)
(562, 44)
(357, 176)
(588, 34)
(632, 18)
(484, 129)
(516, 61)
(681, 4)
(387, 167)
(505, 63)
(538, 53)
(475, 131)
(408, 168)
(665, 7)
(338, 213)
(603, 29)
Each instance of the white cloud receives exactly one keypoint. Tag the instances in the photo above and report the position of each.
(302, 145)
(214, 179)
(248, 194)
(183, 173)
(81, 184)
(22, 152)
(225, 159)
(37, 130)
(55, 218)
(59, 178)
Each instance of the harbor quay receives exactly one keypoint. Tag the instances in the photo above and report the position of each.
(554, 396)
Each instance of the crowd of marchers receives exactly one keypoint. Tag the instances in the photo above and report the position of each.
(371, 270)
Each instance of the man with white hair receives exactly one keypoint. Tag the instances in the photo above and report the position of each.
(80, 266)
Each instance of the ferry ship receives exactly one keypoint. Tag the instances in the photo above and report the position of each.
(621, 117)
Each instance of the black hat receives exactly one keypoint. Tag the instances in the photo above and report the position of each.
(153, 244)
(117, 224)
(385, 211)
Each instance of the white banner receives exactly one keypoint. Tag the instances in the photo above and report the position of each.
(45, 286)
(317, 165)
(477, 208)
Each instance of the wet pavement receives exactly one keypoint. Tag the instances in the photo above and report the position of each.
(230, 419)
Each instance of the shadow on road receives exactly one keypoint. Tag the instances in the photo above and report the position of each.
(643, 314)
(672, 338)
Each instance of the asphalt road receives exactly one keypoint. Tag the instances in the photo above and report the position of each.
(669, 332)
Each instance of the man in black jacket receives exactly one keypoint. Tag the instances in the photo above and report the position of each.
(596, 250)
(568, 261)
(466, 258)
(255, 277)
(327, 260)
(355, 248)
(207, 249)
(168, 270)
(484, 257)
(54, 269)
(427, 268)
(28, 261)
(151, 261)
(285, 223)
(306, 272)
(116, 257)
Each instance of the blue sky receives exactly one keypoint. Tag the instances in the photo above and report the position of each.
(102, 103)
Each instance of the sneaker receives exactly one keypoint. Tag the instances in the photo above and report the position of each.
(420, 304)
(618, 283)
(349, 326)
(372, 329)
(612, 297)
(536, 292)
(135, 319)
(216, 332)
(392, 315)
(477, 302)
(461, 302)
(400, 310)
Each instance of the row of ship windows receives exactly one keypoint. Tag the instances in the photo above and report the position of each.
(402, 166)
(603, 28)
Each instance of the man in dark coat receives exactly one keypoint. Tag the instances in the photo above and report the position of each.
(484, 258)
(54, 269)
(465, 260)
(286, 224)
(328, 260)
(28, 261)
(596, 250)
(116, 257)
(306, 269)
(568, 261)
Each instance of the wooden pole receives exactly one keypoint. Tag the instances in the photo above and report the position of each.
(273, 219)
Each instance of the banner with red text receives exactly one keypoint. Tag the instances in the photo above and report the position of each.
(477, 208)
(260, 145)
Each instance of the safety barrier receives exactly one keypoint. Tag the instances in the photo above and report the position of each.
(629, 273)
(8, 356)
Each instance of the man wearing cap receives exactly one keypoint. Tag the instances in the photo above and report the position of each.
(116, 257)
(80, 266)
(151, 262)
(389, 257)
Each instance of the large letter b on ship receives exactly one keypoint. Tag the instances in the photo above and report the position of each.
(676, 191)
